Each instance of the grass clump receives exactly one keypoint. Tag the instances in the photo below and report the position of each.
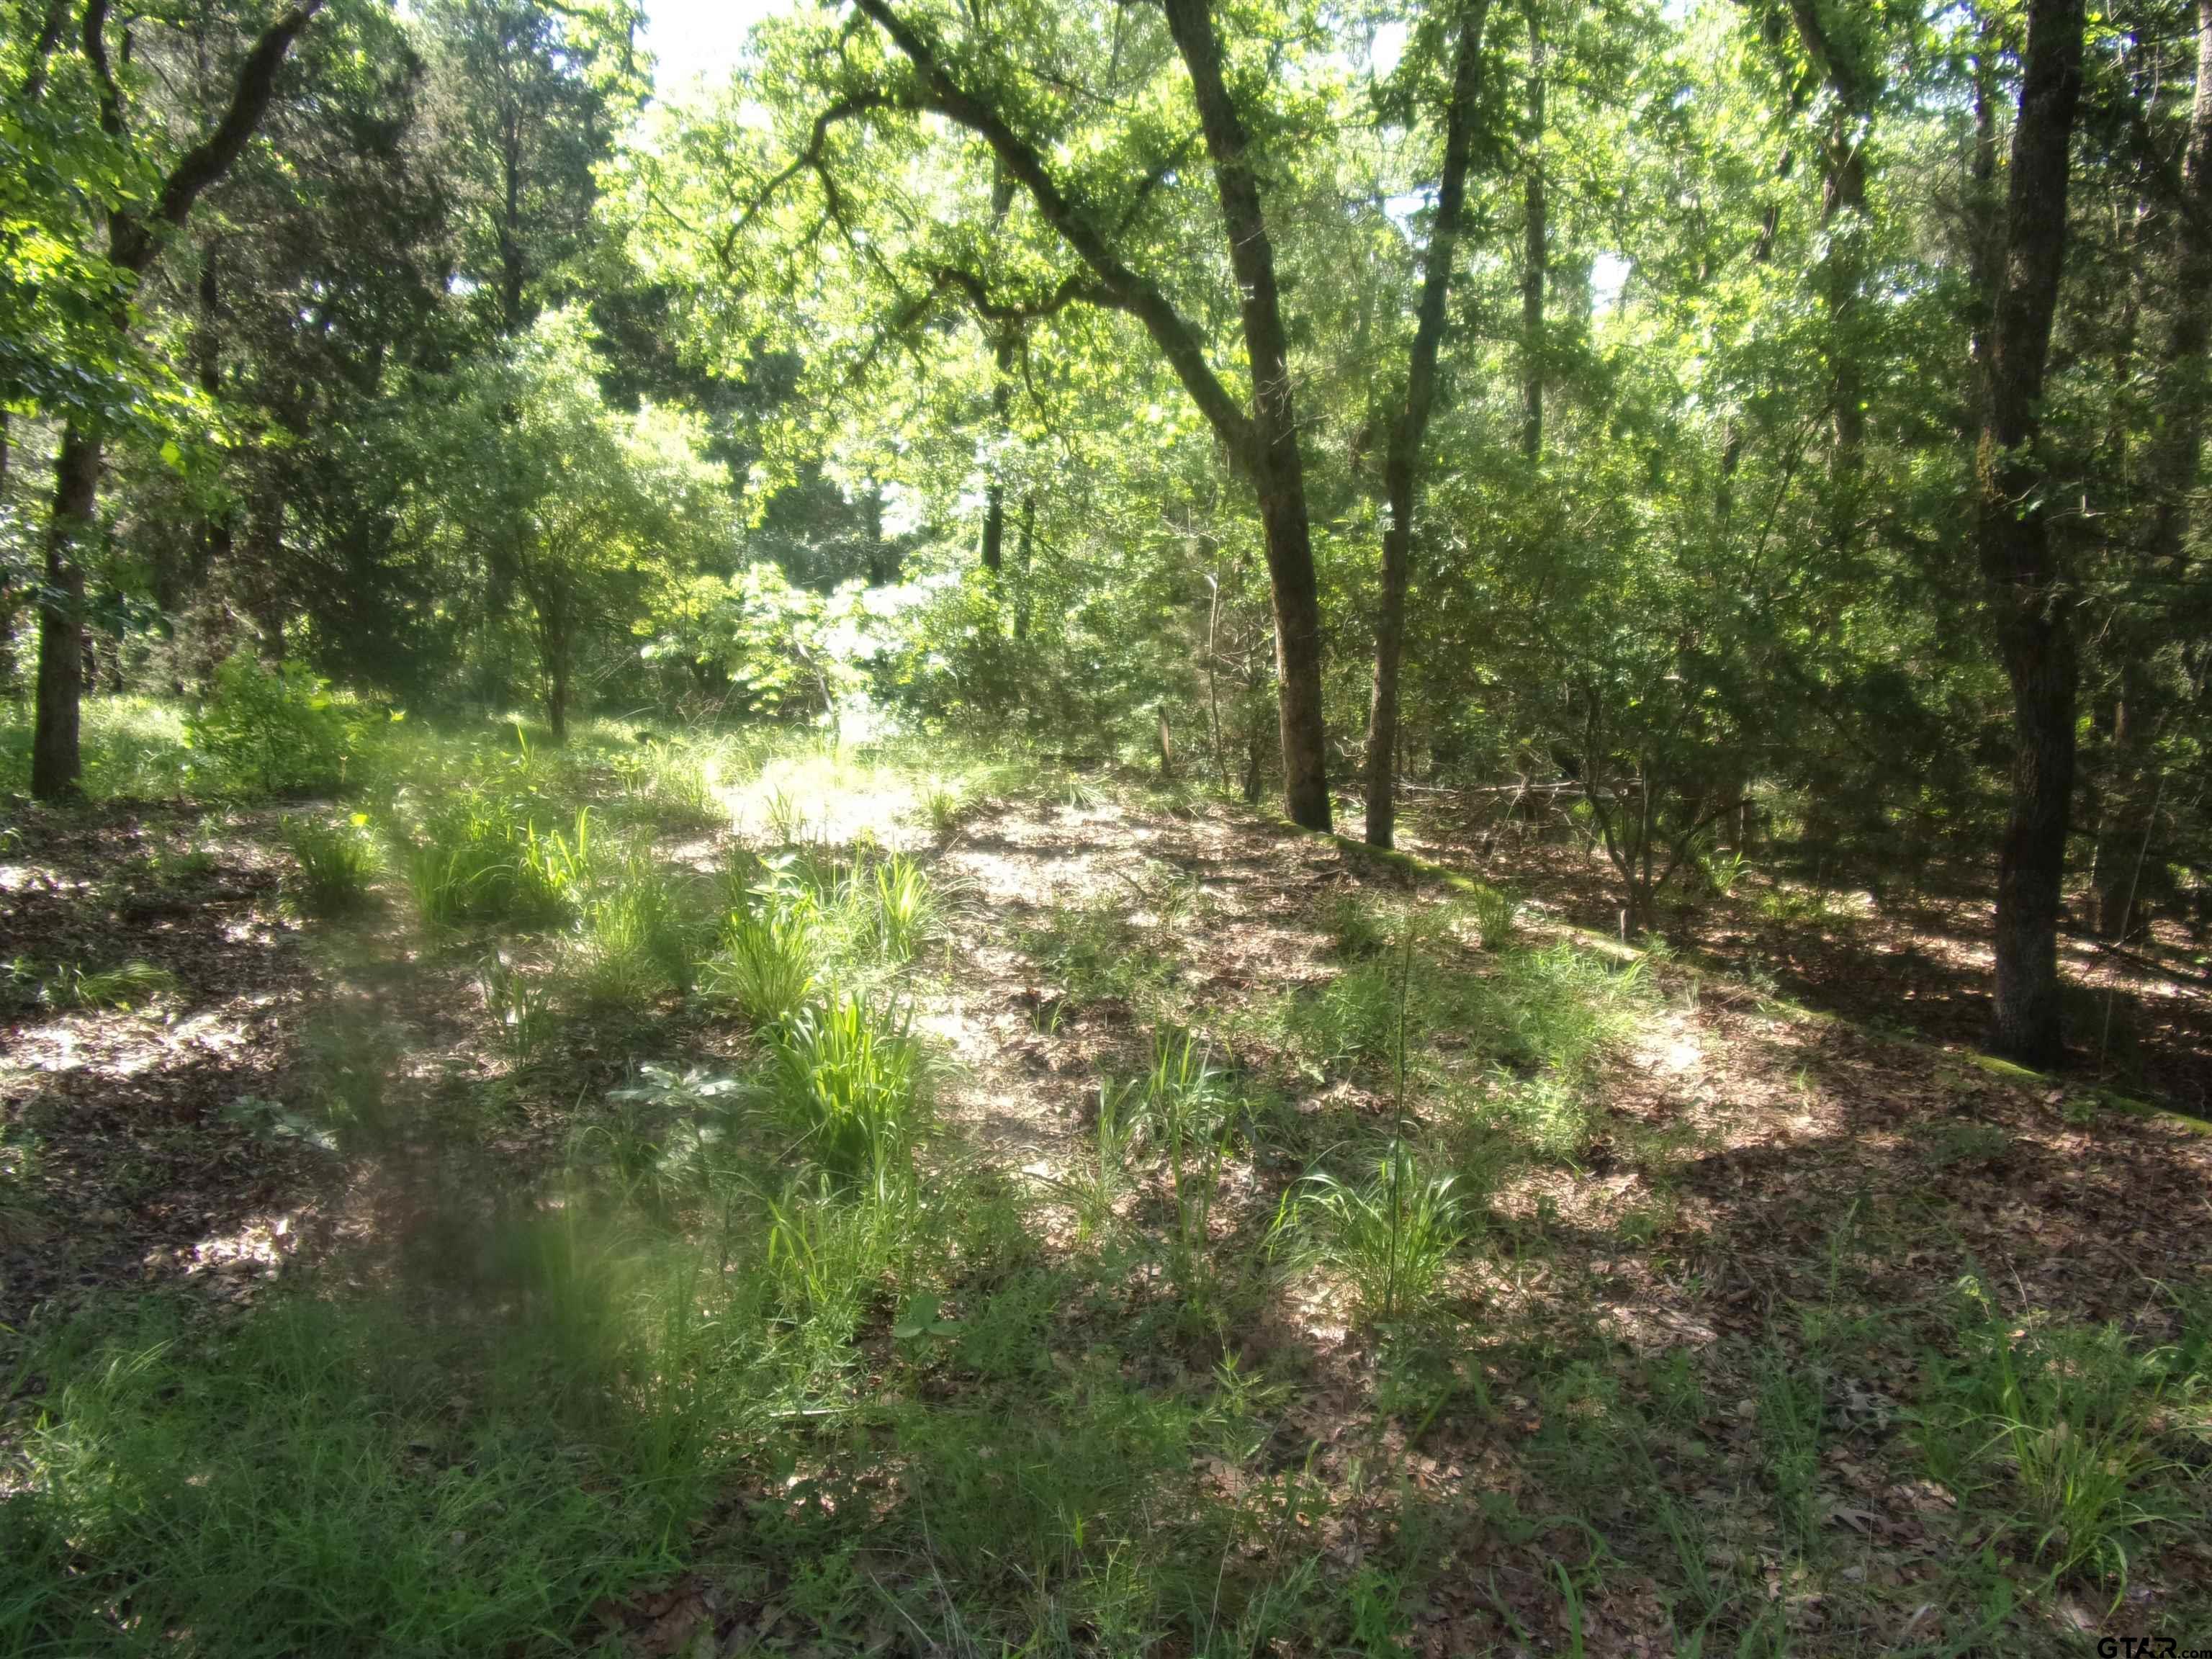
(1388, 1237)
(1185, 1111)
(1496, 916)
(767, 966)
(906, 910)
(483, 857)
(332, 865)
(2050, 1434)
(135, 985)
(846, 1080)
(1560, 1010)
(521, 1007)
(637, 937)
(1351, 1022)
(1357, 930)
(671, 785)
(1097, 954)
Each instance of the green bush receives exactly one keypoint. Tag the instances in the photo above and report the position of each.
(273, 730)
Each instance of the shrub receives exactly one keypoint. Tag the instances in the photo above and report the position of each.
(272, 730)
(332, 865)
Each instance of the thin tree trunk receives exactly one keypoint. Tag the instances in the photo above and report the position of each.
(1535, 254)
(1984, 213)
(883, 556)
(1401, 464)
(263, 574)
(994, 493)
(56, 767)
(2032, 609)
(1024, 563)
(1278, 470)
(1002, 397)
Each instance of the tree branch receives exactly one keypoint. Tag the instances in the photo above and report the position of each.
(1131, 291)
(207, 161)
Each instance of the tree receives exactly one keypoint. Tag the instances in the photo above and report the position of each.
(2029, 602)
(585, 513)
(137, 235)
(1106, 211)
(1403, 463)
(532, 98)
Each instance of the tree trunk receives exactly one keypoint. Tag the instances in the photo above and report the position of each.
(1401, 464)
(56, 765)
(512, 272)
(1534, 258)
(1002, 396)
(1276, 469)
(882, 556)
(994, 493)
(1263, 442)
(262, 576)
(1025, 560)
(2032, 609)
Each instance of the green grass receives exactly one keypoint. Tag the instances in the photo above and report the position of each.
(332, 865)
(2058, 1436)
(767, 966)
(1387, 1237)
(1496, 916)
(740, 1309)
(906, 910)
(353, 1475)
(522, 1008)
(133, 748)
(486, 858)
(639, 936)
(847, 1082)
(1097, 954)
(135, 985)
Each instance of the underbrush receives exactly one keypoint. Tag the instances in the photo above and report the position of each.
(133, 748)
(702, 1290)
(348, 1475)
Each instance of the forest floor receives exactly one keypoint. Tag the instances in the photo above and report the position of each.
(1301, 1258)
